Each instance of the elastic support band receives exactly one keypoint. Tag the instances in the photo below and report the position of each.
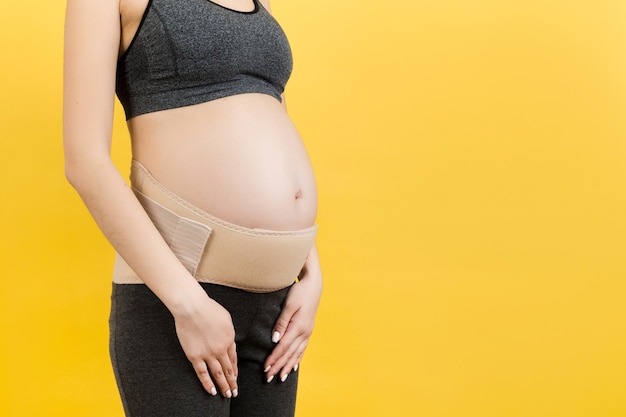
(214, 250)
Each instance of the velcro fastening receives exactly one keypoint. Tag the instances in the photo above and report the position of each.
(187, 238)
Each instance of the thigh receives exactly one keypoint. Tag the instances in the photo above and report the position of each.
(257, 398)
(153, 374)
(255, 315)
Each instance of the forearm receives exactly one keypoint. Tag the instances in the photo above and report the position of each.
(125, 224)
(312, 270)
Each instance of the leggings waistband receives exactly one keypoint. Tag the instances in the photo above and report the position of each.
(214, 250)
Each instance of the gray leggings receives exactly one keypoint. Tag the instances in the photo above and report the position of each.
(154, 377)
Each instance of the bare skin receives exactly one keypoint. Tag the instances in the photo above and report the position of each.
(239, 158)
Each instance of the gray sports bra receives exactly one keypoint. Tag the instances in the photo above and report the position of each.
(191, 51)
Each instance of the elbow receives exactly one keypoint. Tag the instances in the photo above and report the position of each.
(85, 155)
(80, 174)
(74, 175)
(70, 174)
(74, 171)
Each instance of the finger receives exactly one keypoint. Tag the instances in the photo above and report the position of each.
(282, 323)
(232, 354)
(220, 377)
(283, 345)
(282, 353)
(230, 372)
(288, 361)
(293, 361)
(277, 353)
(205, 378)
(294, 331)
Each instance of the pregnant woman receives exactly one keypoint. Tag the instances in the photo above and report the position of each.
(217, 278)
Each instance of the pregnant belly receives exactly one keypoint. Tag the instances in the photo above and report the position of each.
(239, 159)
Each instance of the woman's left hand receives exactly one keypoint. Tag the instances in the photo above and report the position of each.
(294, 327)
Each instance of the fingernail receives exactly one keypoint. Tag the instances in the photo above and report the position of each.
(284, 377)
(229, 394)
(267, 369)
(270, 379)
(275, 337)
(213, 391)
(295, 368)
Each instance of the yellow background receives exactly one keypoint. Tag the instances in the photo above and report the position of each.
(471, 160)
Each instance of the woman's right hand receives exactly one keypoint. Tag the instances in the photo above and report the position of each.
(207, 335)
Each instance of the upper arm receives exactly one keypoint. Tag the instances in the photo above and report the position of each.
(92, 38)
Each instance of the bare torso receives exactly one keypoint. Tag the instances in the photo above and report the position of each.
(239, 158)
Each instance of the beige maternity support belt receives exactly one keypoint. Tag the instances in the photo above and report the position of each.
(214, 250)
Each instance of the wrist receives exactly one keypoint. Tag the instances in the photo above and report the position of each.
(311, 280)
(311, 270)
(186, 300)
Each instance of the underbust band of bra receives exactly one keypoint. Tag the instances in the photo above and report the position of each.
(188, 52)
(214, 250)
